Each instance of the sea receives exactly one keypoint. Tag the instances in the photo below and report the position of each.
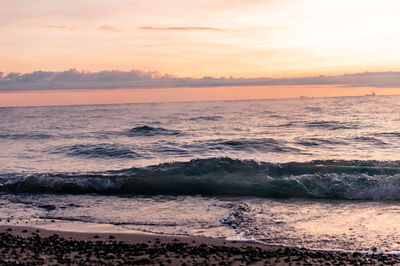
(318, 173)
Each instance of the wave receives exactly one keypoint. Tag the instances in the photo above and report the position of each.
(330, 125)
(262, 144)
(97, 151)
(152, 131)
(313, 109)
(389, 134)
(17, 136)
(370, 140)
(370, 180)
(309, 142)
(206, 118)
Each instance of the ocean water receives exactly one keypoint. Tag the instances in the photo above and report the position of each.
(320, 173)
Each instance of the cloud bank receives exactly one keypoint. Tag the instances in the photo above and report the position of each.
(114, 79)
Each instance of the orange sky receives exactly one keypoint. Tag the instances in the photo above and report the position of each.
(239, 38)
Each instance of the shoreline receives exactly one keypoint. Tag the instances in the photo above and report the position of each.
(32, 245)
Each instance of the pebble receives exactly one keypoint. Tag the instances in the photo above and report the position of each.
(57, 250)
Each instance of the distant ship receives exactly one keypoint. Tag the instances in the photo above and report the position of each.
(371, 94)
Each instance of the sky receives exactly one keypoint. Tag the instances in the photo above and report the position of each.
(190, 40)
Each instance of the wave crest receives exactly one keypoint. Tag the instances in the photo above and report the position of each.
(148, 131)
(226, 177)
(98, 151)
(29, 136)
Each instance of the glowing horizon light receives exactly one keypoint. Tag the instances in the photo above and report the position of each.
(122, 96)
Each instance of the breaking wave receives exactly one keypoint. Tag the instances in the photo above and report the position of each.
(367, 180)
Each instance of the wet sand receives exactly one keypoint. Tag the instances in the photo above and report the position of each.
(26, 245)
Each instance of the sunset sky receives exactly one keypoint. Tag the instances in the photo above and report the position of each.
(219, 38)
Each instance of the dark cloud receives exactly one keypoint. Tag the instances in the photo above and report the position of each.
(74, 79)
(182, 28)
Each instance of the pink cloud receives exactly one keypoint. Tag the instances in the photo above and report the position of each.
(110, 28)
(63, 27)
(54, 26)
(181, 28)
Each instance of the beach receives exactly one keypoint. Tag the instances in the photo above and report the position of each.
(24, 245)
